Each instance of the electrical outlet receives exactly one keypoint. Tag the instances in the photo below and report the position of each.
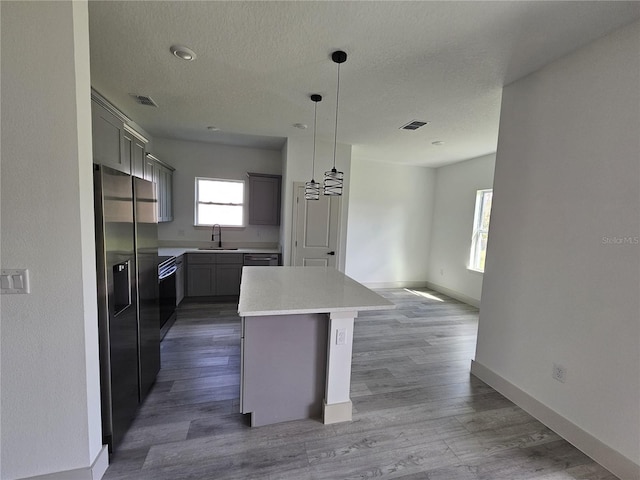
(559, 373)
(341, 336)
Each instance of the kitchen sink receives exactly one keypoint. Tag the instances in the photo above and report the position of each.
(216, 248)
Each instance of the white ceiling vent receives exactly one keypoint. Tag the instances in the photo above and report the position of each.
(413, 125)
(144, 100)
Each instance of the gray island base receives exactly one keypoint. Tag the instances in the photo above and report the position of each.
(297, 338)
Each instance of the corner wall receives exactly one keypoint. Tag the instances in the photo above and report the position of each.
(49, 387)
(562, 276)
(455, 197)
(390, 211)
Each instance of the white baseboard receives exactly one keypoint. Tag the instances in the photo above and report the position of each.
(612, 460)
(336, 412)
(375, 285)
(95, 472)
(453, 294)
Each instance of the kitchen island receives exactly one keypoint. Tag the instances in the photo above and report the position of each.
(297, 337)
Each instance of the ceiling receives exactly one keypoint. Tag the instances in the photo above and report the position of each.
(257, 63)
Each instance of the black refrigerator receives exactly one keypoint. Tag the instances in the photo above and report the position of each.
(126, 263)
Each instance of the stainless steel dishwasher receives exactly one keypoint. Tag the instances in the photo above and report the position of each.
(261, 259)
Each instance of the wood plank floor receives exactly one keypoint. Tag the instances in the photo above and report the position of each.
(418, 414)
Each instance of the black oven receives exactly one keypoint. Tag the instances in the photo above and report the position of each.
(167, 293)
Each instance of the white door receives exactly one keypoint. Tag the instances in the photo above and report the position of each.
(315, 235)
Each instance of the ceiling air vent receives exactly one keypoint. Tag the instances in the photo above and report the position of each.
(144, 100)
(413, 125)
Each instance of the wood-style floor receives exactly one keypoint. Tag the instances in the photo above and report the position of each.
(418, 414)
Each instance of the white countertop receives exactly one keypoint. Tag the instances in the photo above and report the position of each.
(177, 251)
(292, 290)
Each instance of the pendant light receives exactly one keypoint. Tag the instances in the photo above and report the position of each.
(312, 188)
(333, 179)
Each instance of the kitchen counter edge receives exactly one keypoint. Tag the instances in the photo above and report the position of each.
(177, 251)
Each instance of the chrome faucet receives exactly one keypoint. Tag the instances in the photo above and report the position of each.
(213, 234)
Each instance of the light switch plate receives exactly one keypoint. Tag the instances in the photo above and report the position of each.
(14, 281)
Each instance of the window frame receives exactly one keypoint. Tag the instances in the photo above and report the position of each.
(197, 202)
(477, 231)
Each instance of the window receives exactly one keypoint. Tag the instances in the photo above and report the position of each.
(480, 230)
(219, 201)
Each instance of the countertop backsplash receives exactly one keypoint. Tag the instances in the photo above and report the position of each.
(226, 245)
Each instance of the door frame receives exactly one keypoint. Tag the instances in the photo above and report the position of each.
(294, 228)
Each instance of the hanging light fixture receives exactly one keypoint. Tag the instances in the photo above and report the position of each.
(333, 179)
(312, 188)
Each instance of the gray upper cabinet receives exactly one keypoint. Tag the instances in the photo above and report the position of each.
(149, 165)
(125, 152)
(108, 139)
(162, 175)
(264, 199)
(133, 152)
(115, 144)
(165, 193)
(138, 148)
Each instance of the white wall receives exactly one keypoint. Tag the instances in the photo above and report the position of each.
(557, 286)
(50, 408)
(199, 159)
(390, 212)
(298, 155)
(455, 198)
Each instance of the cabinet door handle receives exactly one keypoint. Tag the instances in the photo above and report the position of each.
(331, 253)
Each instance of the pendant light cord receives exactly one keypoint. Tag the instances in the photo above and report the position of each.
(335, 133)
(315, 127)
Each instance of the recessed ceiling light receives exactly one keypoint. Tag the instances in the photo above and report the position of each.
(437, 143)
(301, 126)
(213, 128)
(183, 52)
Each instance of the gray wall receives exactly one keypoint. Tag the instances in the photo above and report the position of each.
(390, 209)
(455, 197)
(50, 393)
(563, 265)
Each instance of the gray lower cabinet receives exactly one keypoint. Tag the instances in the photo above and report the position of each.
(180, 279)
(228, 279)
(201, 280)
(213, 274)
